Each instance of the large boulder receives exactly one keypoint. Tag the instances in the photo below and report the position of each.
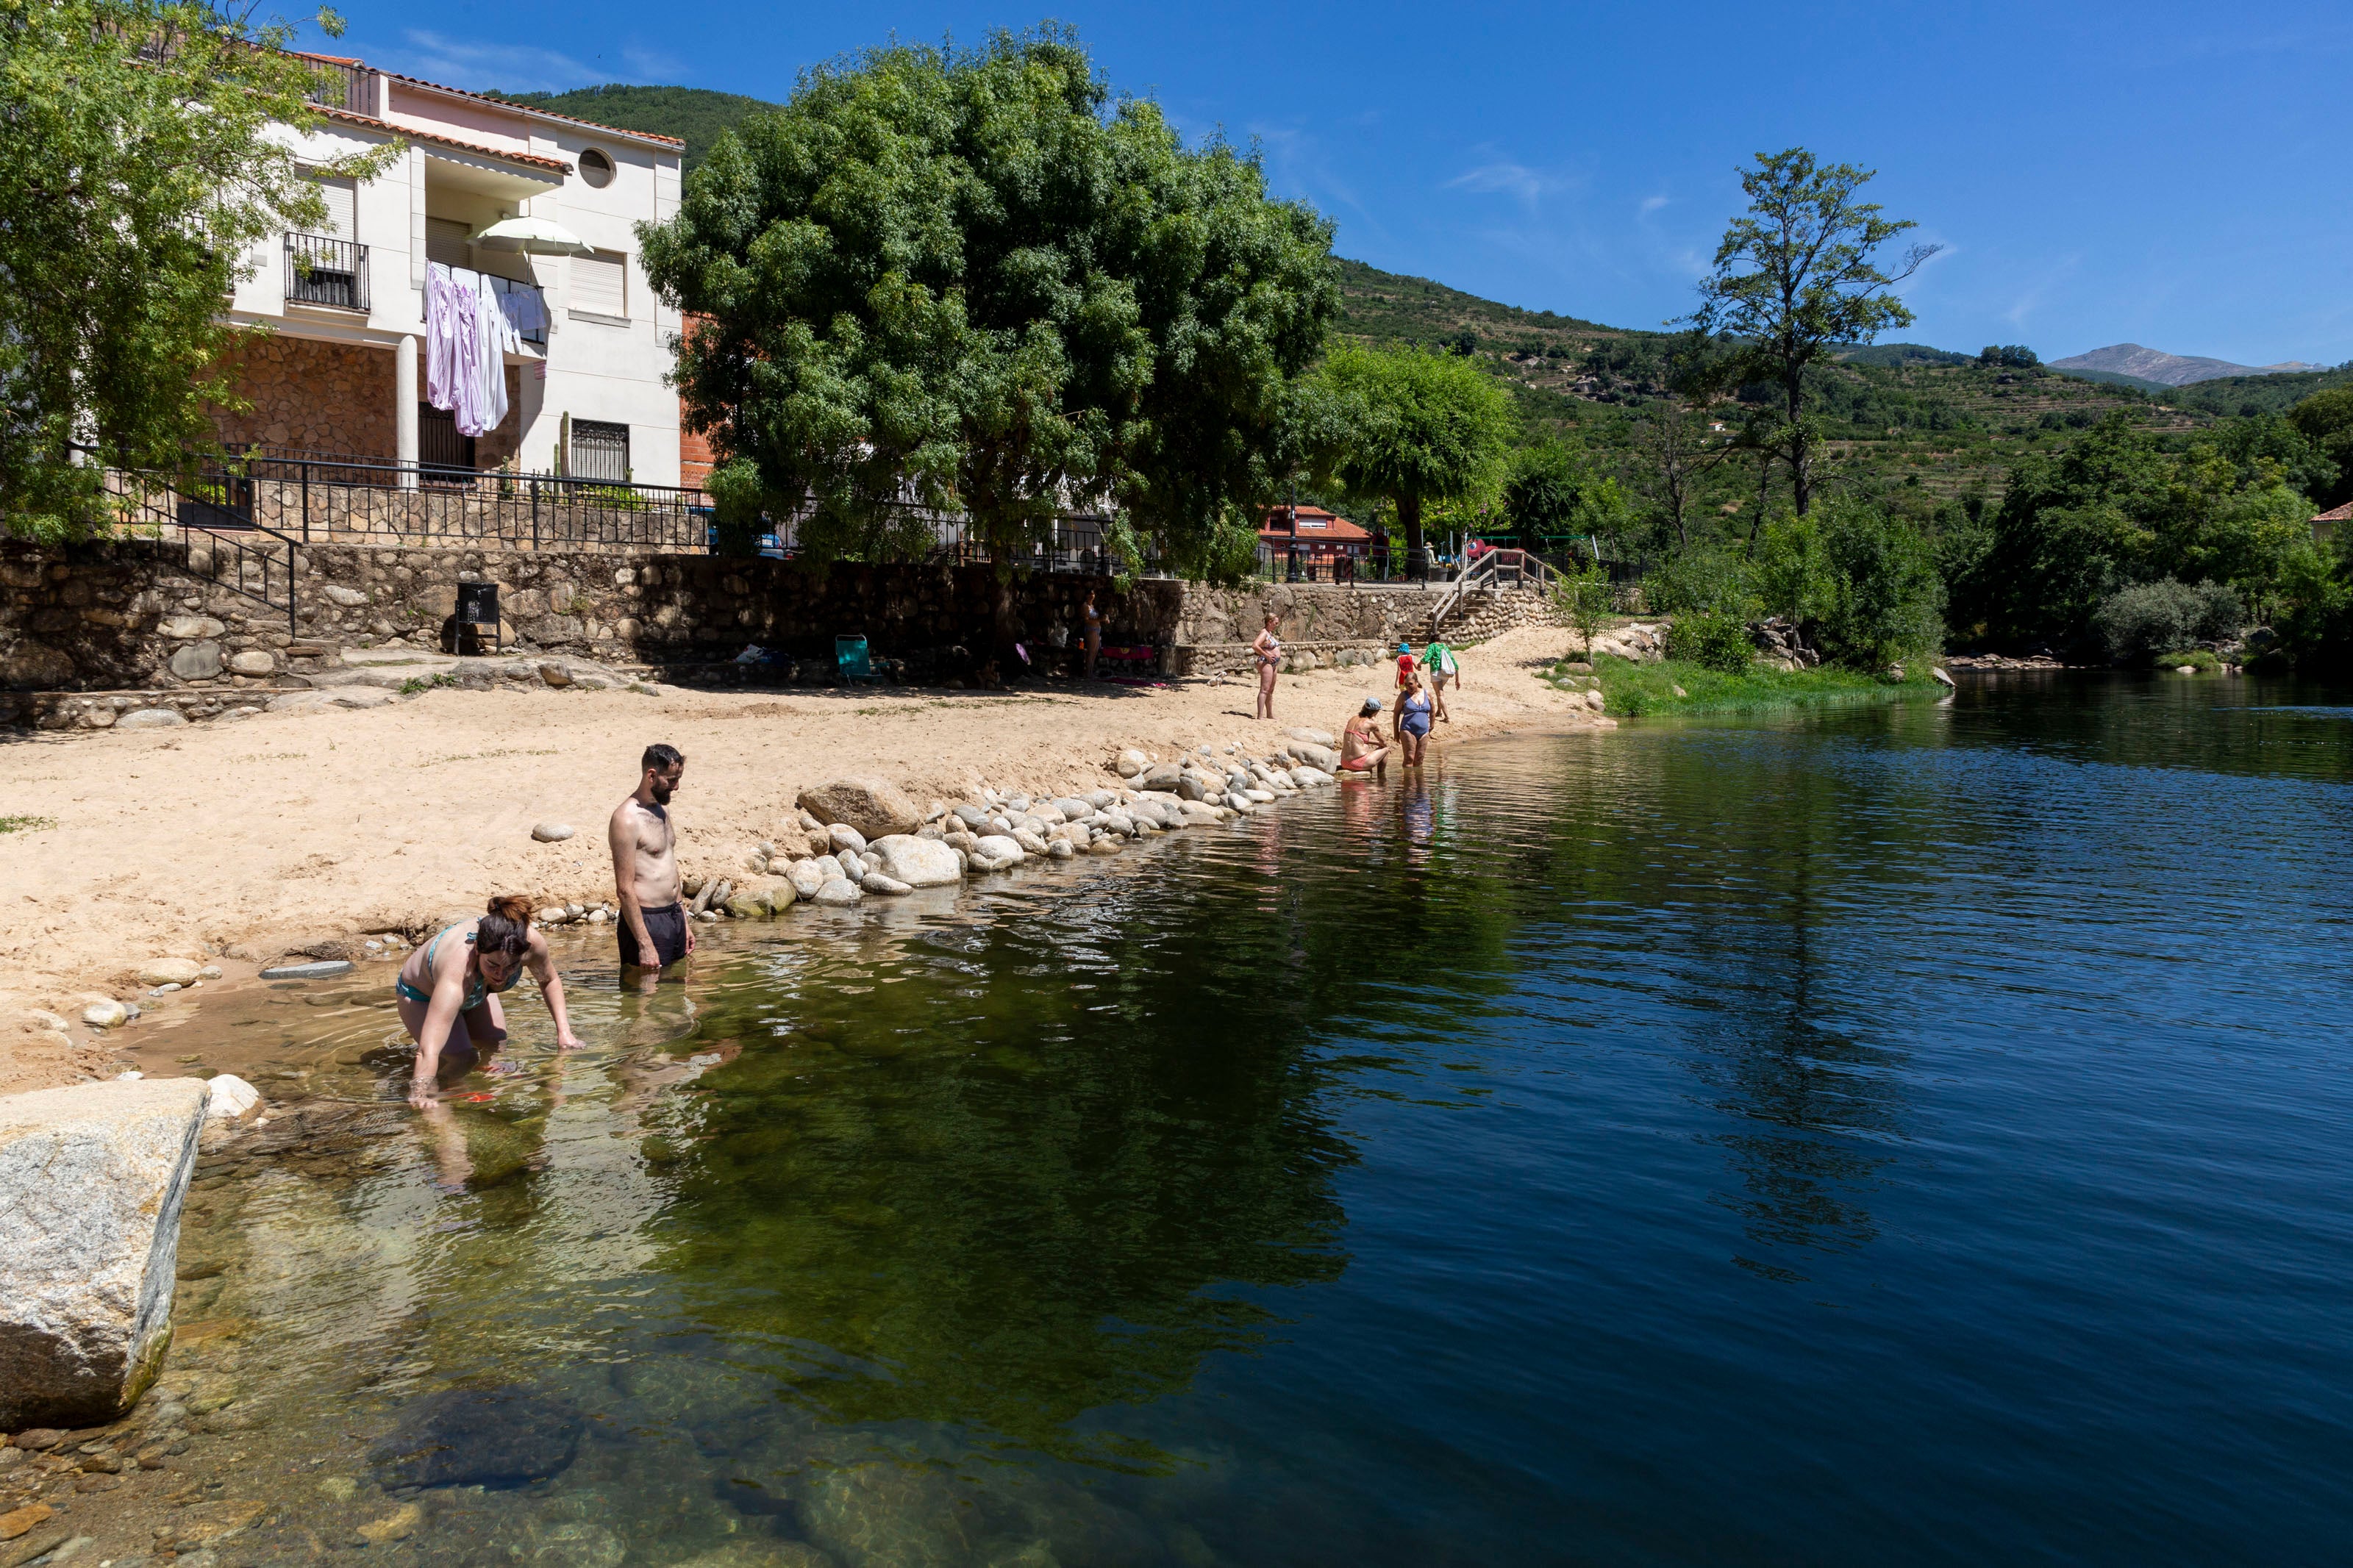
(1160, 775)
(92, 1177)
(918, 862)
(875, 807)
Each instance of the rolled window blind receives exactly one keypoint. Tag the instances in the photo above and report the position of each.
(341, 219)
(445, 242)
(600, 284)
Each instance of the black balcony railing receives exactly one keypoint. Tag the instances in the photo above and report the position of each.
(338, 85)
(323, 271)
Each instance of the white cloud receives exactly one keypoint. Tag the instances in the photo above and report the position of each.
(1506, 178)
(653, 65)
(1653, 204)
(515, 68)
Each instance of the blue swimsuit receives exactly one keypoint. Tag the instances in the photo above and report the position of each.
(1415, 719)
(474, 993)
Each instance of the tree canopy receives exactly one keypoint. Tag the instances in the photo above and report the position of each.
(970, 279)
(1417, 429)
(1797, 278)
(138, 162)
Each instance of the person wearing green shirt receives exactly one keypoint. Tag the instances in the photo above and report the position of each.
(1443, 672)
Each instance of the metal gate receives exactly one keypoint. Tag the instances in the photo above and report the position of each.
(446, 456)
(600, 451)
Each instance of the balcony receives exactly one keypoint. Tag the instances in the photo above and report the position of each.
(323, 271)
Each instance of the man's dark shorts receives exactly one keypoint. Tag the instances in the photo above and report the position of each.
(666, 926)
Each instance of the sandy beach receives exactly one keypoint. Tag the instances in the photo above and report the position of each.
(236, 842)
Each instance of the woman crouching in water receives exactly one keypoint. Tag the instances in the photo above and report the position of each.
(457, 977)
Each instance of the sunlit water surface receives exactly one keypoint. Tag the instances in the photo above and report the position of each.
(1907, 1135)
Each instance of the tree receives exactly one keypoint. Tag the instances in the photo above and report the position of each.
(1796, 277)
(1581, 596)
(2326, 420)
(968, 279)
(2008, 356)
(141, 155)
(1884, 601)
(1417, 429)
(1666, 436)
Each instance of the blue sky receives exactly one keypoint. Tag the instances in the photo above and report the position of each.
(2168, 174)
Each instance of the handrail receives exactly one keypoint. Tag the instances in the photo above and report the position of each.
(209, 505)
(1484, 573)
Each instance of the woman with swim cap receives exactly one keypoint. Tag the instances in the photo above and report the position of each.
(456, 979)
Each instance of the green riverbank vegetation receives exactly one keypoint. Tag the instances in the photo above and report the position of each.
(1636, 690)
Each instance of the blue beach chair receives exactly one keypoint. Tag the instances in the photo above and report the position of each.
(850, 658)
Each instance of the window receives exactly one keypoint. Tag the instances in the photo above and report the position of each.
(600, 284)
(596, 168)
(342, 218)
(445, 242)
(600, 451)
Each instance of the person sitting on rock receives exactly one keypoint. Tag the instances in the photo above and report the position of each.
(1361, 751)
(455, 979)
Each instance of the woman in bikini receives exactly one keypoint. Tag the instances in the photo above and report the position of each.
(1268, 649)
(1413, 715)
(456, 978)
(1361, 751)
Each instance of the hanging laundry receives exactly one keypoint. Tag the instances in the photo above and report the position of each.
(441, 333)
(493, 336)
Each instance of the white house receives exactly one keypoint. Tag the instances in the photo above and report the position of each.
(340, 373)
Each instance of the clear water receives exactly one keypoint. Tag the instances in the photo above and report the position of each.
(1905, 1135)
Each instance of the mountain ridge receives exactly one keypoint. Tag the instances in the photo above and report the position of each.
(2157, 366)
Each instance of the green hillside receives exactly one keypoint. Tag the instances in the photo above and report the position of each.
(2247, 395)
(695, 114)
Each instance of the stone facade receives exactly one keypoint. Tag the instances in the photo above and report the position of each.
(310, 395)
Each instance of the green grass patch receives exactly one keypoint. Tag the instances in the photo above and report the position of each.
(1632, 690)
(417, 683)
(25, 823)
(2201, 659)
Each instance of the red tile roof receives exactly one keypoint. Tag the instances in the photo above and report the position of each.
(1315, 524)
(533, 108)
(372, 123)
(2336, 514)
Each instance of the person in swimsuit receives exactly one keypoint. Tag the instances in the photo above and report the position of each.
(654, 931)
(456, 978)
(1413, 714)
(1267, 648)
(1361, 751)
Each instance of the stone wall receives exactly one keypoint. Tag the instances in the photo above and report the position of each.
(151, 615)
(317, 397)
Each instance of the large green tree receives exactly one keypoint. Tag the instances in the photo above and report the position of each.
(1797, 276)
(142, 153)
(1415, 429)
(971, 279)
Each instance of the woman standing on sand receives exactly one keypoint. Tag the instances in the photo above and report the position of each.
(1268, 649)
(456, 978)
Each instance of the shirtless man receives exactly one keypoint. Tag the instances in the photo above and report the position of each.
(655, 931)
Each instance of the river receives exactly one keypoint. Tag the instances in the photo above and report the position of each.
(1900, 1134)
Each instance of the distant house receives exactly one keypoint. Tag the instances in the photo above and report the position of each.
(2323, 526)
(1318, 538)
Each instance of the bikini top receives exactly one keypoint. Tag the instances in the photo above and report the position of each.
(475, 988)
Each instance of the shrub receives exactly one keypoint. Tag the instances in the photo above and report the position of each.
(1885, 600)
(2137, 622)
(1700, 580)
(1712, 640)
(2197, 658)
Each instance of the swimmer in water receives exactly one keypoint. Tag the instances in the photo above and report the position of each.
(455, 979)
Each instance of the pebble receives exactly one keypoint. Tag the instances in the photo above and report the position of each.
(325, 969)
(552, 832)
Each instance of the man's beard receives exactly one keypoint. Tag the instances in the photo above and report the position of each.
(663, 792)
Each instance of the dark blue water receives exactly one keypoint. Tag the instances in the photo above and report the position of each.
(1909, 1135)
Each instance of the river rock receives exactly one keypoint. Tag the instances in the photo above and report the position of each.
(888, 886)
(92, 1177)
(169, 972)
(196, 660)
(487, 1435)
(253, 661)
(836, 893)
(1200, 814)
(229, 1096)
(1161, 775)
(1031, 841)
(1130, 763)
(996, 852)
(552, 832)
(1073, 809)
(875, 807)
(152, 718)
(1062, 849)
(187, 628)
(805, 878)
(106, 1015)
(973, 816)
(1309, 778)
(841, 836)
(325, 968)
(1108, 844)
(918, 862)
(1190, 786)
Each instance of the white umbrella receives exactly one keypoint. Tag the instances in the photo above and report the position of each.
(534, 237)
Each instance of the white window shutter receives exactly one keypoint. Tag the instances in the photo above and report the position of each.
(600, 284)
(342, 219)
(445, 242)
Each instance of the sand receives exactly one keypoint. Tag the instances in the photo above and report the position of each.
(236, 842)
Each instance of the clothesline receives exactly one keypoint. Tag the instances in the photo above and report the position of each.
(472, 320)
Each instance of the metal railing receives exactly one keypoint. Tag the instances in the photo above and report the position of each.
(339, 86)
(321, 270)
(1492, 569)
(213, 513)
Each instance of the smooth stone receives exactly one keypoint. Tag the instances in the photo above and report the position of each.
(468, 1436)
(918, 862)
(1130, 763)
(1201, 813)
(972, 816)
(1309, 778)
(229, 1096)
(1073, 809)
(1062, 849)
(325, 968)
(152, 718)
(1102, 800)
(1160, 775)
(106, 1015)
(841, 836)
(187, 628)
(995, 851)
(1106, 845)
(1031, 841)
(807, 878)
(1259, 797)
(837, 891)
(874, 807)
(552, 832)
(349, 598)
(889, 887)
(252, 661)
(91, 1179)
(169, 972)
(1190, 787)
(196, 660)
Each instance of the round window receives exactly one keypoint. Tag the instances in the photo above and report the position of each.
(596, 168)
